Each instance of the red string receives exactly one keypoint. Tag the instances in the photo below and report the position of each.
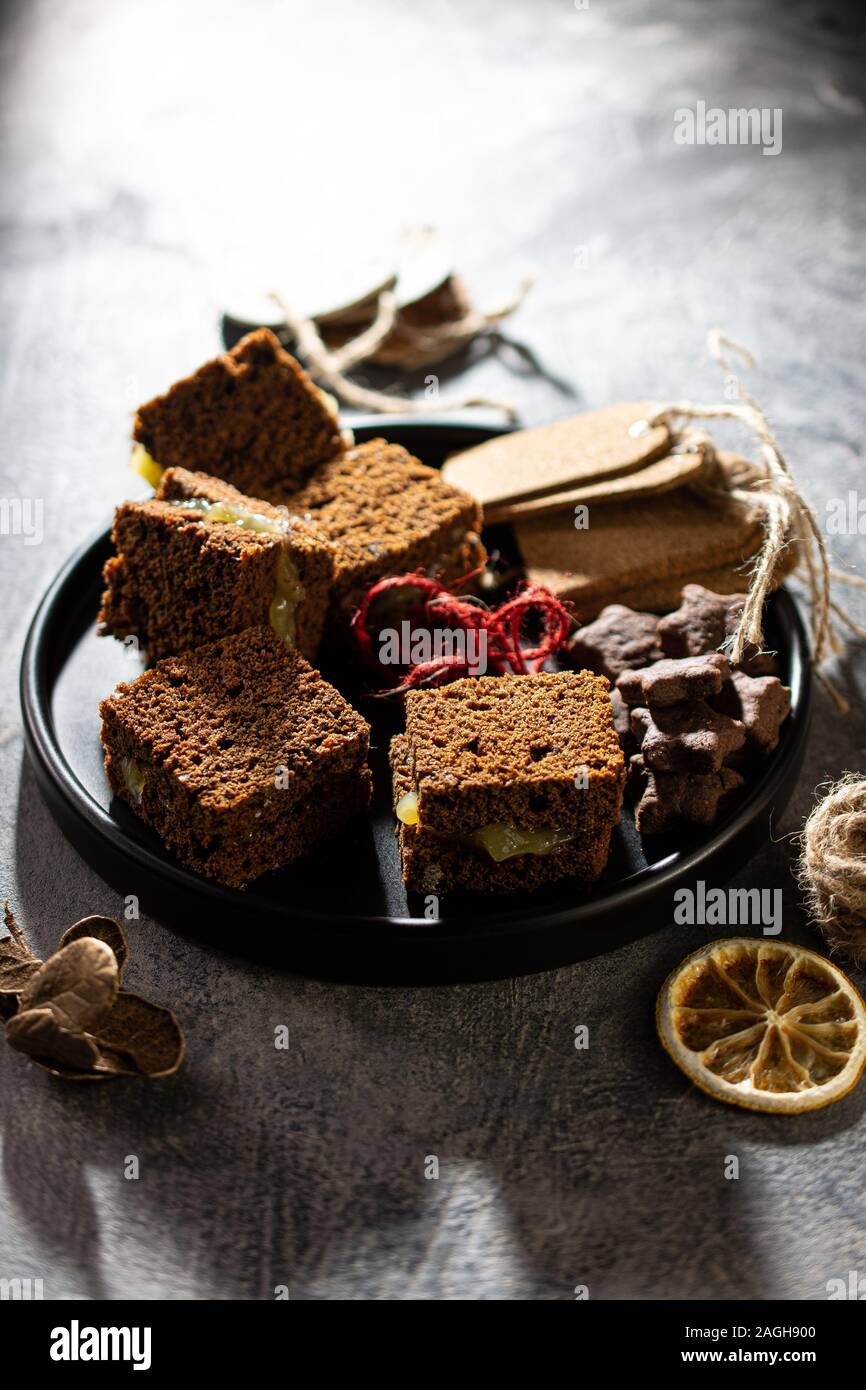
(502, 629)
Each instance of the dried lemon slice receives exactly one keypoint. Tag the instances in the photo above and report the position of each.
(770, 1026)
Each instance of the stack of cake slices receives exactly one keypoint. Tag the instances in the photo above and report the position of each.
(239, 754)
(505, 783)
(264, 512)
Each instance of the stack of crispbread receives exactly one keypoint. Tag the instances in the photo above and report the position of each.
(607, 510)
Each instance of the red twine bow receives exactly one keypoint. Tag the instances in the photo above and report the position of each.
(498, 631)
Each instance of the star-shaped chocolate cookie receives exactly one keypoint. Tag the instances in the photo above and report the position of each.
(670, 682)
(704, 622)
(619, 639)
(760, 703)
(690, 737)
(661, 799)
(622, 722)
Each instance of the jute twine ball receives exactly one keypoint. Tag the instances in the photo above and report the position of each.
(832, 867)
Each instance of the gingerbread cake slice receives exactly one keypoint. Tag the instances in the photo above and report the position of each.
(387, 513)
(504, 783)
(239, 755)
(251, 416)
(202, 560)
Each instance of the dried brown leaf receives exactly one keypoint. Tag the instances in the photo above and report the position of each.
(103, 929)
(79, 984)
(69, 1014)
(17, 964)
(38, 1033)
(15, 932)
(108, 1067)
(14, 976)
(148, 1034)
(14, 950)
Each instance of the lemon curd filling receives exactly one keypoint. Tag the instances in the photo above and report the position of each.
(501, 841)
(288, 590)
(141, 462)
(284, 604)
(230, 514)
(133, 778)
(505, 841)
(407, 808)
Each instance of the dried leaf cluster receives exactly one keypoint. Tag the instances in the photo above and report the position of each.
(70, 1015)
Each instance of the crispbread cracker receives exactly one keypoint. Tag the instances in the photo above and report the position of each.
(636, 543)
(650, 597)
(569, 453)
(661, 595)
(662, 475)
(665, 594)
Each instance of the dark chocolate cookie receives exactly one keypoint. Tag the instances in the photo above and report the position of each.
(760, 703)
(619, 639)
(704, 622)
(670, 682)
(664, 798)
(690, 737)
(622, 723)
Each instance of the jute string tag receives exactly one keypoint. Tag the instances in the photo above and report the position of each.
(788, 519)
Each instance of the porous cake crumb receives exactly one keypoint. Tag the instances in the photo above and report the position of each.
(239, 754)
(251, 416)
(488, 765)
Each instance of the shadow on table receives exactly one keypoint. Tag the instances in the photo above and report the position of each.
(518, 357)
(558, 1168)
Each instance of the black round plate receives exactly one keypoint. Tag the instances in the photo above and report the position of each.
(343, 913)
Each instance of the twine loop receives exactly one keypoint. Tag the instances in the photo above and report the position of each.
(421, 346)
(504, 630)
(832, 865)
(787, 518)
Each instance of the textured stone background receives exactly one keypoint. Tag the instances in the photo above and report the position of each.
(144, 146)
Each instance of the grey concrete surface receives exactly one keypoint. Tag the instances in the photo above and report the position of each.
(147, 146)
